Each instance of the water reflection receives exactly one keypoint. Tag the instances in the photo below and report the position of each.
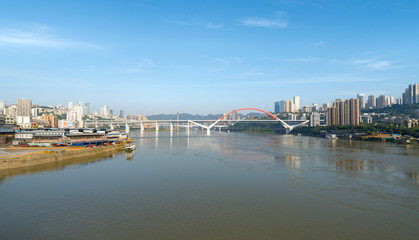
(413, 175)
(223, 186)
(129, 155)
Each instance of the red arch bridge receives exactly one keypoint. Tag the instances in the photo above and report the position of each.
(204, 124)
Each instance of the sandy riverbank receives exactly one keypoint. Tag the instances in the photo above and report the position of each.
(25, 157)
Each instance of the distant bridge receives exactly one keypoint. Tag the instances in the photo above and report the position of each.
(204, 124)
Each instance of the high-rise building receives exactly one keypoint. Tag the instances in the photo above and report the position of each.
(296, 103)
(382, 101)
(352, 111)
(121, 113)
(23, 112)
(314, 119)
(2, 107)
(276, 107)
(104, 111)
(390, 100)
(361, 98)
(52, 119)
(78, 109)
(24, 107)
(411, 94)
(289, 106)
(282, 106)
(372, 102)
(344, 112)
(70, 105)
(87, 108)
(399, 100)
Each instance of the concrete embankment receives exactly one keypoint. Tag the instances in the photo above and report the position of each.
(50, 155)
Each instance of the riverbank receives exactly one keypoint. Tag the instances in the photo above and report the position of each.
(27, 157)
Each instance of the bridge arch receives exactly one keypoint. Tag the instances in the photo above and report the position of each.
(255, 109)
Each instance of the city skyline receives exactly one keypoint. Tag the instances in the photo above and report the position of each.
(205, 57)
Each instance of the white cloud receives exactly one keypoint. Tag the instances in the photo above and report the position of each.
(374, 64)
(379, 65)
(263, 22)
(317, 44)
(137, 67)
(194, 22)
(213, 26)
(304, 60)
(37, 37)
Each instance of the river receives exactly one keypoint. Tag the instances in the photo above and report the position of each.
(223, 186)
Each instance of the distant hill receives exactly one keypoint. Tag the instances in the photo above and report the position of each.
(396, 109)
(187, 116)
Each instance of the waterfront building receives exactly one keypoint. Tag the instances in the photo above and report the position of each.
(399, 100)
(23, 112)
(296, 101)
(2, 107)
(314, 119)
(372, 102)
(66, 124)
(53, 120)
(351, 112)
(365, 118)
(11, 111)
(344, 112)
(361, 98)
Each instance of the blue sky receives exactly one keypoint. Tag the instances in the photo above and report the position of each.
(150, 57)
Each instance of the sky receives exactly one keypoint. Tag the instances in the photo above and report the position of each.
(207, 56)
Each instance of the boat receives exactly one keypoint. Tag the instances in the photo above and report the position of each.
(130, 145)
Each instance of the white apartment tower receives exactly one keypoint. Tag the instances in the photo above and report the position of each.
(296, 103)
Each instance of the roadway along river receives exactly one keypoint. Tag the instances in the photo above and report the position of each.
(225, 186)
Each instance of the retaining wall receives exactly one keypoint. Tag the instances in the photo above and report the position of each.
(55, 156)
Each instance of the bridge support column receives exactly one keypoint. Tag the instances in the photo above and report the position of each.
(187, 129)
(287, 130)
(141, 128)
(208, 131)
(126, 128)
(157, 127)
(171, 128)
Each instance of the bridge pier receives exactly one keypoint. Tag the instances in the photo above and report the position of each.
(171, 128)
(187, 129)
(141, 128)
(126, 128)
(157, 127)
